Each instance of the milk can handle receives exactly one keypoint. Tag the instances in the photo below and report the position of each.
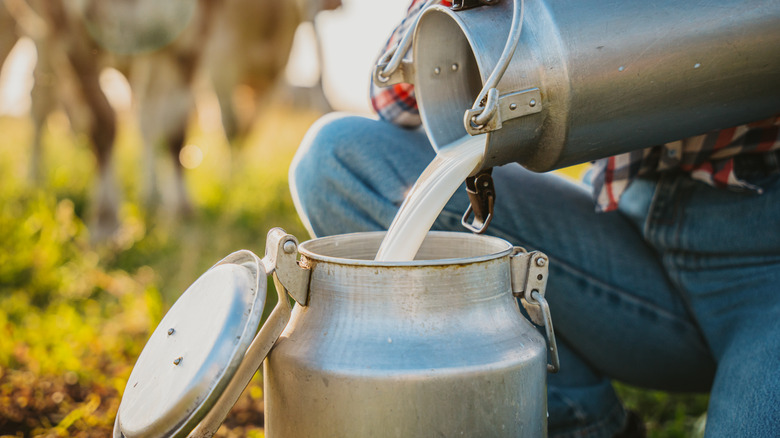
(486, 104)
(552, 346)
(390, 61)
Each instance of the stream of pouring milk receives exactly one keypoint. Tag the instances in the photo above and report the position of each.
(452, 165)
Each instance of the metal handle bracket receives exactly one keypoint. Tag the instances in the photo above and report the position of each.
(497, 110)
(387, 72)
(403, 74)
(281, 259)
(529, 281)
(480, 118)
(529, 273)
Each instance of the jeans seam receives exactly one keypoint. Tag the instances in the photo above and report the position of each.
(623, 294)
(668, 200)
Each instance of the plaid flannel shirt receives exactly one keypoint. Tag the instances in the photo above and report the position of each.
(709, 158)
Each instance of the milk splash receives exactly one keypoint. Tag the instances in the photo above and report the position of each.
(435, 186)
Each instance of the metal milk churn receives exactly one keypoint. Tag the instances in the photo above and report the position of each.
(433, 347)
(559, 82)
(554, 83)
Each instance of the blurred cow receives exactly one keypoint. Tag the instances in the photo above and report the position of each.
(159, 46)
(8, 34)
(65, 51)
(250, 46)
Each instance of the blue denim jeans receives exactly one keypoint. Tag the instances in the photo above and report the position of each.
(679, 290)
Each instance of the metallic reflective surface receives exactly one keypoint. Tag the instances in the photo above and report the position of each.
(613, 77)
(406, 349)
(195, 350)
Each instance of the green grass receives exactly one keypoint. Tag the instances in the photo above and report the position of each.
(74, 316)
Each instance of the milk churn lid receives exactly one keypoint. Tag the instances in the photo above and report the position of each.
(195, 351)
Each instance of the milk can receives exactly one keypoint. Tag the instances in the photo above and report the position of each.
(433, 347)
(553, 83)
(560, 82)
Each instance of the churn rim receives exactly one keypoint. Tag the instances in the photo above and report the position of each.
(502, 248)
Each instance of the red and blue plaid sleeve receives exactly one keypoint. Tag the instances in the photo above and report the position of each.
(709, 158)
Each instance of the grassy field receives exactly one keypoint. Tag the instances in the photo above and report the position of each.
(74, 316)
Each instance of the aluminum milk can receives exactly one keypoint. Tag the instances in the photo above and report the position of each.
(433, 347)
(556, 83)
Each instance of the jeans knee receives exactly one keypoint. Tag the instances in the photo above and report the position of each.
(327, 140)
(314, 167)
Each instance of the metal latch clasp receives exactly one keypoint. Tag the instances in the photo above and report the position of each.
(529, 281)
(281, 259)
(482, 198)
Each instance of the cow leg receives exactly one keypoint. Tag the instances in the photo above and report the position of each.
(43, 98)
(164, 100)
(163, 84)
(224, 80)
(181, 195)
(140, 76)
(176, 140)
(102, 132)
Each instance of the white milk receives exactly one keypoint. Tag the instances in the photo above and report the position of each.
(452, 165)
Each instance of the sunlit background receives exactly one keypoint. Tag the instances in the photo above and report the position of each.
(351, 36)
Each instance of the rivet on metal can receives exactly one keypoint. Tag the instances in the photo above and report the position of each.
(177, 360)
(170, 331)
